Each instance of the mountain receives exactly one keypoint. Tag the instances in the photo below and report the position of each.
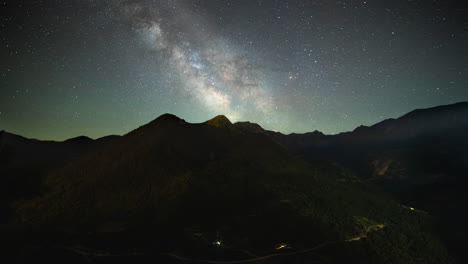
(167, 155)
(25, 162)
(441, 121)
(430, 141)
(21, 151)
(420, 159)
(168, 190)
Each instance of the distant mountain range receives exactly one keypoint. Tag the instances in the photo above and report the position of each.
(174, 187)
(22, 151)
(431, 140)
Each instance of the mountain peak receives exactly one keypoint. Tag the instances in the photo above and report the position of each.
(219, 121)
(79, 139)
(168, 119)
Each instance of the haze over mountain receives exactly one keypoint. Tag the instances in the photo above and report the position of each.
(172, 188)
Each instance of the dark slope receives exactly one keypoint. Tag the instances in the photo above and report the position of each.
(420, 146)
(159, 161)
(421, 158)
(439, 125)
(20, 151)
(174, 186)
(24, 162)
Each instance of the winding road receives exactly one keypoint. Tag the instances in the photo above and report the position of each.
(254, 257)
(357, 238)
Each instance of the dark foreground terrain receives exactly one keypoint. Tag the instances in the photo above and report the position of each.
(217, 192)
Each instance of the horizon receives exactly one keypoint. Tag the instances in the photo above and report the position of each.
(100, 67)
(239, 121)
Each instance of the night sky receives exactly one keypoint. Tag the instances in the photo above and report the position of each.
(94, 68)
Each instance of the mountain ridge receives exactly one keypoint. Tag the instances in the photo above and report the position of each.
(221, 120)
(174, 183)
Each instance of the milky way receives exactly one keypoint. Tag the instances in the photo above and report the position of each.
(100, 67)
(219, 78)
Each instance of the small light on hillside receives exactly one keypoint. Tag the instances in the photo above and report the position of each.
(281, 246)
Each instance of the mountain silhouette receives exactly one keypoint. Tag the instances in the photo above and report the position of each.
(162, 161)
(425, 137)
(25, 162)
(219, 121)
(174, 186)
(21, 151)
